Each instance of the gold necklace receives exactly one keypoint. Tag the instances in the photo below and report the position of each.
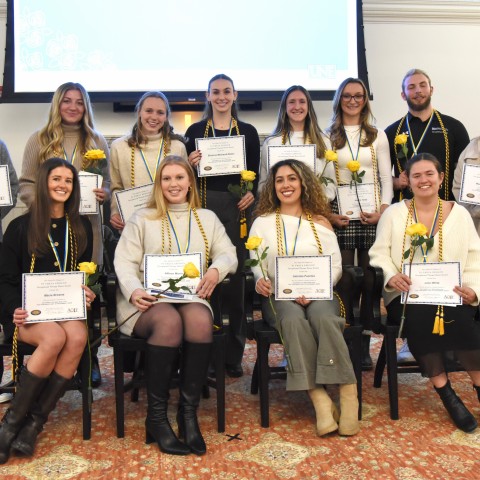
(447, 150)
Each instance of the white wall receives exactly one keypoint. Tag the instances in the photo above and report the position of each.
(441, 37)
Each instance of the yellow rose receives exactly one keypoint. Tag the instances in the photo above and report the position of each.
(88, 267)
(417, 229)
(95, 155)
(253, 243)
(401, 139)
(331, 156)
(353, 166)
(190, 270)
(248, 175)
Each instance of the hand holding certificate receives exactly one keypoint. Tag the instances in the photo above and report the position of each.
(172, 275)
(470, 186)
(433, 283)
(221, 155)
(53, 297)
(308, 276)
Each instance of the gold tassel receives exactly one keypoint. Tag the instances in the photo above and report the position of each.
(243, 226)
(442, 324)
(436, 325)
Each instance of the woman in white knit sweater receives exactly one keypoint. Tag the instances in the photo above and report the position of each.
(174, 223)
(291, 220)
(135, 157)
(455, 240)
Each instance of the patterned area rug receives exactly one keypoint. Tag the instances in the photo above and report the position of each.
(422, 445)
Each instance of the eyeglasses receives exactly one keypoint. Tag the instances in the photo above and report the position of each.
(358, 98)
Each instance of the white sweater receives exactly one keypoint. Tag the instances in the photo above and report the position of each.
(296, 138)
(265, 228)
(460, 244)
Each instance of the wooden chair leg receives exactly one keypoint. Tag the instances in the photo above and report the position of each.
(254, 384)
(380, 366)
(262, 359)
(87, 398)
(219, 343)
(391, 356)
(119, 400)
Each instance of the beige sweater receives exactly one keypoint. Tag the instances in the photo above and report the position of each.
(141, 236)
(120, 162)
(31, 162)
(460, 244)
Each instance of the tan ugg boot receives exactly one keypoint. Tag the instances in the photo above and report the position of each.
(325, 411)
(349, 424)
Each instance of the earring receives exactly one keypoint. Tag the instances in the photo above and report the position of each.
(441, 186)
(189, 188)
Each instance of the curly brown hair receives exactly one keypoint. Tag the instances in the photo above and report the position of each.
(313, 197)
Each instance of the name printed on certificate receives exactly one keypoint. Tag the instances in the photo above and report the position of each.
(433, 283)
(159, 269)
(349, 203)
(5, 188)
(221, 155)
(54, 297)
(88, 201)
(470, 186)
(303, 153)
(309, 276)
(133, 199)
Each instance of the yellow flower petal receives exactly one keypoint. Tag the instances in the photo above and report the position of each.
(95, 154)
(331, 156)
(88, 267)
(190, 270)
(353, 166)
(248, 175)
(401, 139)
(416, 229)
(253, 243)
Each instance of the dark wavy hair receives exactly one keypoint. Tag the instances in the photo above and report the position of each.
(138, 138)
(39, 223)
(313, 198)
(336, 130)
(208, 111)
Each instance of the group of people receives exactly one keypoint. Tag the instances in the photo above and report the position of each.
(294, 212)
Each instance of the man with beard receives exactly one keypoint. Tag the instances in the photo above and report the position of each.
(428, 131)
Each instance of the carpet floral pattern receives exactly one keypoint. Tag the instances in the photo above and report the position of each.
(422, 445)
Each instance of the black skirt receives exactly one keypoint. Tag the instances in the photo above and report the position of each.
(434, 352)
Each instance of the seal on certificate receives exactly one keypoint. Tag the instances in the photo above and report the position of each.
(36, 312)
(470, 195)
(207, 168)
(350, 212)
(287, 290)
(414, 295)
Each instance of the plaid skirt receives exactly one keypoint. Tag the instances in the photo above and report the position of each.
(355, 235)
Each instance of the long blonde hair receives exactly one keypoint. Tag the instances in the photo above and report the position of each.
(51, 135)
(157, 201)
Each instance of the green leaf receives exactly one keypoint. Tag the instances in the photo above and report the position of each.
(400, 154)
(249, 186)
(406, 254)
(361, 174)
(235, 190)
(174, 288)
(251, 262)
(186, 289)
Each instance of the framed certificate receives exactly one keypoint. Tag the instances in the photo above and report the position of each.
(298, 275)
(221, 155)
(5, 188)
(348, 201)
(303, 153)
(132, 199)
(470, 186)
(88, 202)
(159, 269)
(54, 297)
(433, 283)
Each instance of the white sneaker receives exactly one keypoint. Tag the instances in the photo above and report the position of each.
(5, 397)
(404, 355)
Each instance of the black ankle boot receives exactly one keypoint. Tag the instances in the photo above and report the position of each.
(28, 389)
(38, 415)
(367, 363)
(161, 363)
(478, 391)
(462, 418)
(193, 373)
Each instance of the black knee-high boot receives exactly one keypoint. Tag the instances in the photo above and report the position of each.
(161, 362)
(38, 415)
(477, 389)
(28, 389)
(193, 373)
(462, 418)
